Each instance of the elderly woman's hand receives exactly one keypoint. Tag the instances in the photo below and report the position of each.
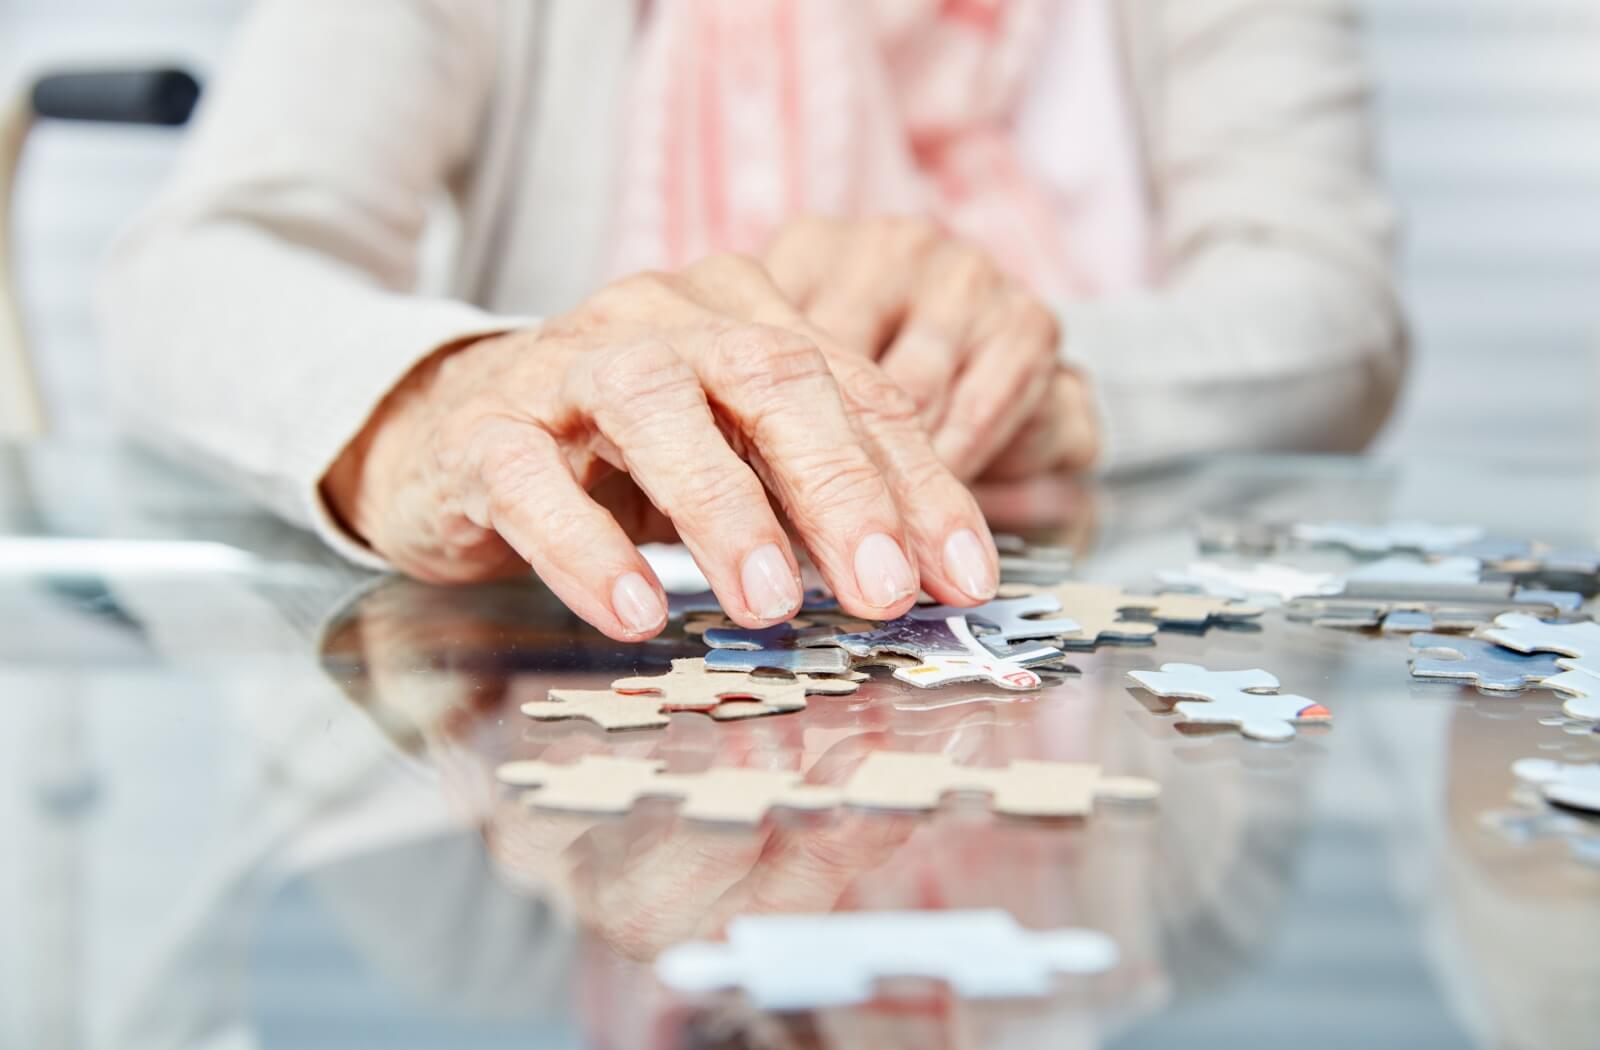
(710, 392)
(976, 351)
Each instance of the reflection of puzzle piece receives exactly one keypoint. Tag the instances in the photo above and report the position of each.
(948, 653)
(680, 604)
(642, 701)
(604, 784)
(1521, 826)
(1387, 538)
(1236, 698)
(1572, 786)
(1478, 661)
(1007, 619)
(1262, 581)
(918, 781)
(807, 962)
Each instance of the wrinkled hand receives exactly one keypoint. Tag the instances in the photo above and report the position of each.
(709, 391)
(976, 351)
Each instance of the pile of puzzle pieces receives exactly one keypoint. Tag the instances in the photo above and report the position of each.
(1421, 577)
(1006, 643)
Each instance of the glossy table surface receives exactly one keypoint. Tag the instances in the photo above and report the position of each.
(247, 798)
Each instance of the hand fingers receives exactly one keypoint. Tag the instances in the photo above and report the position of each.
(1006, 377)
(520, 485)
(775, 386)
(647, 402)
(949, 538)
(956, 287)
(859, 296)
(1060, 436)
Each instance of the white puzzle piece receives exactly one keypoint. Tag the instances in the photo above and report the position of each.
(1581, 689)
(809, 962)
(1529, 634)
(1238, 698)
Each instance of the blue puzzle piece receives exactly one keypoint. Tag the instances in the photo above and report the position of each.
(1480, 662)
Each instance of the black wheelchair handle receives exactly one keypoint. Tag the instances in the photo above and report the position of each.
(147, 96)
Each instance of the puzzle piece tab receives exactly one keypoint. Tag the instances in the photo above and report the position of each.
(1478, 661)
(1529, 634)
(1581, 688)
(1237, 698)
(809, 962)
(604, 784)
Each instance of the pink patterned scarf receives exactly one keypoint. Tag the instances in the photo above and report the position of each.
(744, 113)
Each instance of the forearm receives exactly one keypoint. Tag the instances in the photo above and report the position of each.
(1259, 350)
(256, 359)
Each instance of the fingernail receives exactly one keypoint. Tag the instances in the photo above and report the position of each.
(968, 564)
(770, 589)
(636, 603)
(882, 572)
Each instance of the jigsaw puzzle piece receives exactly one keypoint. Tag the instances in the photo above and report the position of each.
(1008, 619)
(947, 652)
(1565, 784)
(605, 708)
(1236, 698)
(918, 781)
(795, 661)
(1190, 610)
(1581, 689)
(811, 962)
(1097, 608)
(1581, 835)
(1479, 661)
(1529, 634)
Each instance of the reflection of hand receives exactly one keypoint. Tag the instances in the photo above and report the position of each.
(703, 387)
(643, 888)
(976, 350)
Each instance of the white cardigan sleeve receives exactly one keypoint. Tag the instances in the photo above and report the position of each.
(262, 308)
(1275, 323)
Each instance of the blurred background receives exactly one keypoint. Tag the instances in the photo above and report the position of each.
(1488, 116)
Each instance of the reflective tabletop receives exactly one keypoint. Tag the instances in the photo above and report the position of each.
(248, 799)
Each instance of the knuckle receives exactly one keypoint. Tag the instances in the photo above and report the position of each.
(760, 359)
(716, 491)
(843, 482)
(1037, 321)
(871, 394)
(628, 378)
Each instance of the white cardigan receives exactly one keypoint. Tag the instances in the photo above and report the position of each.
(270, 298)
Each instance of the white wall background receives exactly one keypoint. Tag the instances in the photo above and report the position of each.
(1490, 132)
